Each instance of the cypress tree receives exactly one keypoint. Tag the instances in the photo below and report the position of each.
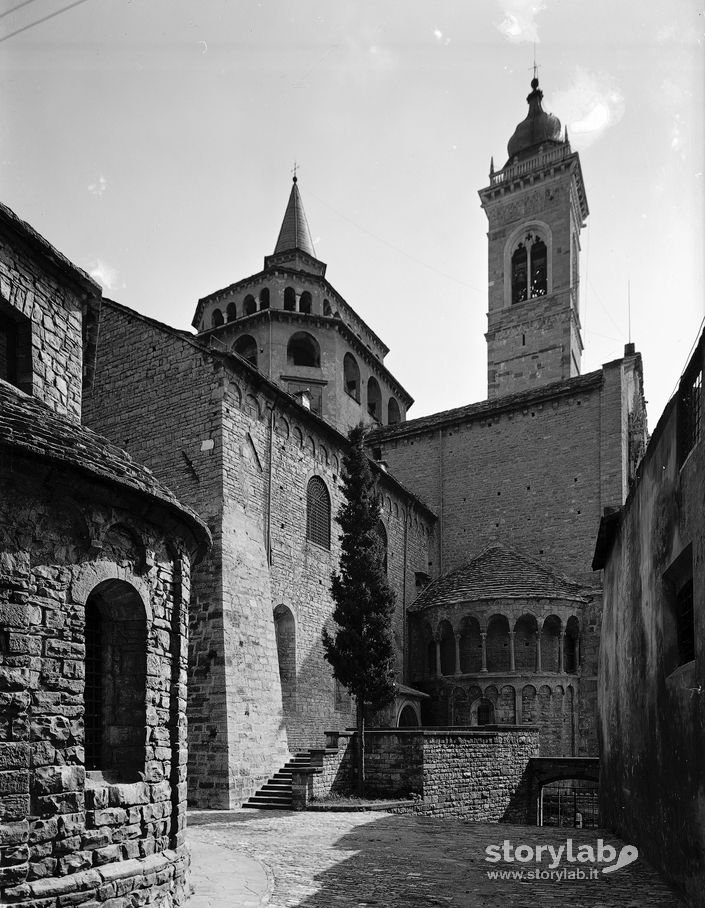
(361, 650)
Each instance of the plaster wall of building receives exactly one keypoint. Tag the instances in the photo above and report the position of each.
(652, 662)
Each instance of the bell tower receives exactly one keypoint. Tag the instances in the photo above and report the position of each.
(536, 206)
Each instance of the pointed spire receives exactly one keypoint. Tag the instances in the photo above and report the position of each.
(492, 165)
(295, 233)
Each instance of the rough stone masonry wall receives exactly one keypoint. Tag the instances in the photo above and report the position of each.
(478, 775)
(64, 840)
(652, 712)
(55, 347)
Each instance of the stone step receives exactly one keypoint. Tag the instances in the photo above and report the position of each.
(275, 794)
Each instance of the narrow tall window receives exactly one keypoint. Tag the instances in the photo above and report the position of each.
(318, 512)
(393, 413)
(529, 269)
(231, 312)
(374, 399)
(249, 305)
(264, 298)
(382, 534)
(289, 300)
(305, 303)
(217, 318)
(351, 376)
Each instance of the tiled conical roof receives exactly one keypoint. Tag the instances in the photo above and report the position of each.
(498, 573)
(294, 233)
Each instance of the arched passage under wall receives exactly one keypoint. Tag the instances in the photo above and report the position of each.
(408, 717)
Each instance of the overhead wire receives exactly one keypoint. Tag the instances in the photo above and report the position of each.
(53, 15)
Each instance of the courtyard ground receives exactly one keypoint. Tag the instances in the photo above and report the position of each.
(248, 858)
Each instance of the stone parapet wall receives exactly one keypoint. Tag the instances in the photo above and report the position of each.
(478, 775)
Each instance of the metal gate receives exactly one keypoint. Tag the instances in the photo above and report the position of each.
(570, 802)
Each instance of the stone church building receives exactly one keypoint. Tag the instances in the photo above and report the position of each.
(489, 510)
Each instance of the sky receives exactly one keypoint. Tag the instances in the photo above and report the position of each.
(152, 142)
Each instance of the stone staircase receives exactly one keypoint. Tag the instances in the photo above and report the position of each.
(276, 793)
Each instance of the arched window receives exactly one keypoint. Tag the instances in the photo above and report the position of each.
(374, 399)
(305, 303)
(571, 643)
(470, 646)
(246, 347)
(393, 413)
(529, 266)
(290, 299)
(525, 643)
(264, 298)
(485, 712)
(231, 312)
(217, 318)
(351, 376)
(249, 305)
(303, 350)
(382, 534)
(551, 644)
(318, 512)
(408, 717)
(285, 631)
(497, 644)
(447, 639)
(115, 681)
(326, 308)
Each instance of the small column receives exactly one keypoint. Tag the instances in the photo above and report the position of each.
(457, 653)
(538, 651)
(561, 653)
(438, 658)
(512, 662)
(483, 636)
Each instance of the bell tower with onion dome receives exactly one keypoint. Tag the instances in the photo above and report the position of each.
(536, 206)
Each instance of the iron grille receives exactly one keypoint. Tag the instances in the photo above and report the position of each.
(318, 512)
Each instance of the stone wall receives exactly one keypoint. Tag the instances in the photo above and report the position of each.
(64, 836)
(652, 707)
(47, 308)
(478, 775)
(242, 453)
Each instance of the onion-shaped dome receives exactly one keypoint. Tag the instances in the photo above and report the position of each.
(539, 127)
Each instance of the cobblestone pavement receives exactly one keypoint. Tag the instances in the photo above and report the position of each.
(334, 860)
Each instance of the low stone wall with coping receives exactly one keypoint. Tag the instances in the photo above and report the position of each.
(479, 774)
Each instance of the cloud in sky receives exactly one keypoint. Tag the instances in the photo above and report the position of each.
(589, 106)
(440, 37)
(99, 187)
(519, 23)
(106, 275)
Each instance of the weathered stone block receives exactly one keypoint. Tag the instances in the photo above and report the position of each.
(14, 833)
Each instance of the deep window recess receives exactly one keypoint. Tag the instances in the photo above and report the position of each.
(678, 617)
(246, 347)
(351, 376)
(374, 399)
(264, 298)
(318, 512)
(217, 318)
(485, 712)
(305, 303)
(303, 350)
(326, 308)
(15, 347)
(290, 300)
(529, 267)
(249, 305)
(115, 681)
(393, 412)
(231, 312)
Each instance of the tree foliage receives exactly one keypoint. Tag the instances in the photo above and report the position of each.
(361, 650)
